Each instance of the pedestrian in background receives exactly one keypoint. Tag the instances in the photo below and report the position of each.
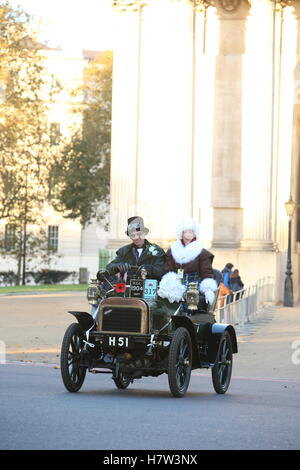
(236, 283)
(225, 289)
(226, 274)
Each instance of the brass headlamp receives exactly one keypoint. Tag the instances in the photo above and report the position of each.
(192, 296)
(93, 292)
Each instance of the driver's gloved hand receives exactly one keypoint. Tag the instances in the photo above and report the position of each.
(122, 267)
(102, 275)
(209, 297)
(146, 267)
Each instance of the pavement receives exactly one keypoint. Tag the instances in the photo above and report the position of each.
(269, 346)
(32, 327)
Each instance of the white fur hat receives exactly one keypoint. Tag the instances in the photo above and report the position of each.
(187, 223)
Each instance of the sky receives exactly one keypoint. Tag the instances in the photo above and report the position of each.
(72, 24)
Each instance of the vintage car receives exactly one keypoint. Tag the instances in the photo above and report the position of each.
(132, 332)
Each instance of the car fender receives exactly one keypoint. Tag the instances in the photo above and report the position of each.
(84, 319)
(217, 330)
(189, 325)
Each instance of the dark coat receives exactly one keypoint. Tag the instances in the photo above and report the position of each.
(202, 264)
(127, 254)
(236, 283)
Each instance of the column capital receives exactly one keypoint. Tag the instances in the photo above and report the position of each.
(228, 6)
(129, 5)
(223, 7)
(284, 3)
(279, 3)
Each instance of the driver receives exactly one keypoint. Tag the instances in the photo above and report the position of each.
(148, 256)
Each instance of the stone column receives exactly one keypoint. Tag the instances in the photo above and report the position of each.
(206, 47)
(289, 162)
(258, 127)
(228, 119)
(152, 116)
(125, 116)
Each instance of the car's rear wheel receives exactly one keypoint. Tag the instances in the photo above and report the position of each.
(180, 362)
(72, 374)
(221, 371)
(121, 380)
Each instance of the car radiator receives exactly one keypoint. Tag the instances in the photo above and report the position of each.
(123, 315)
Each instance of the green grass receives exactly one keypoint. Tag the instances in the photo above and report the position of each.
(43, 288)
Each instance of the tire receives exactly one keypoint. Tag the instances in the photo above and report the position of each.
(72, 375)
(121, 381)
(221, 371)
(180, 362)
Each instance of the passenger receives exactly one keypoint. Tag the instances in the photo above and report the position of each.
(189, 260)
(148, 256)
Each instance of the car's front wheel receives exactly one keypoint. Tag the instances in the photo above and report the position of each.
(72, 374)
(180, 362)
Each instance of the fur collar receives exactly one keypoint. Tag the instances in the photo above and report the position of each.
(184, 254)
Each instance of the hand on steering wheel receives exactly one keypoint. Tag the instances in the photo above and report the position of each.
(145, 269)
(123, 267)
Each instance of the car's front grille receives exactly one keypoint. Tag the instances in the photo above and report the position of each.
(125, 314)
(121, 319)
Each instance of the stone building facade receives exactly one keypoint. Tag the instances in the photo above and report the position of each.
(206, 123)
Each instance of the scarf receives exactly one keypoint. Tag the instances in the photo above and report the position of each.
(183, 254)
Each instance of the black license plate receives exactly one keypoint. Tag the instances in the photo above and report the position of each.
(136, 287)
(118, 341)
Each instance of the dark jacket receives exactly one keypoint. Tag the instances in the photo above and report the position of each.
(236, 284)
(202, 264)
(152, 254)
